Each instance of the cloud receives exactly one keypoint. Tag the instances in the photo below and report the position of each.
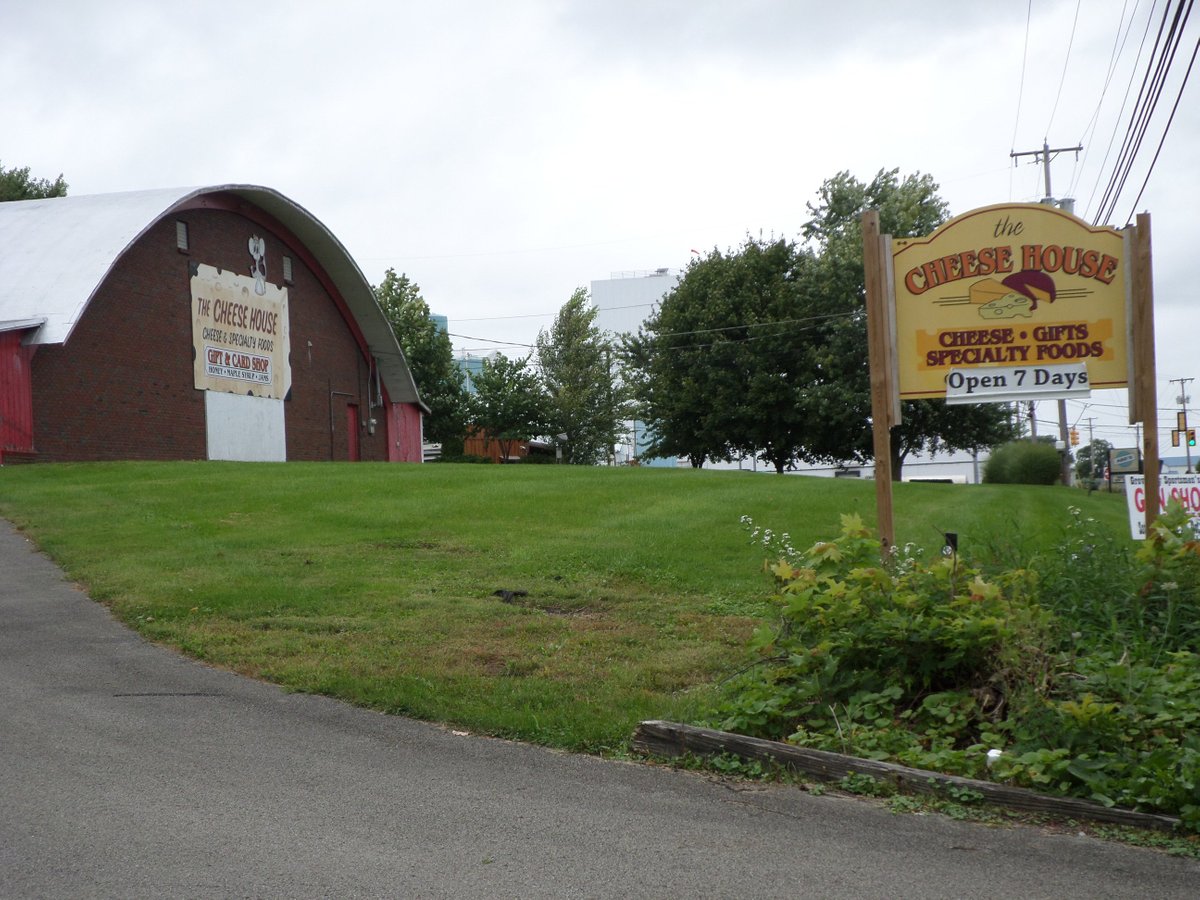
(504, 154)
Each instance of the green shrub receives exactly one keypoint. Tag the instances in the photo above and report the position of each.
(892, 660)
(1084, 678)
(1023, 462)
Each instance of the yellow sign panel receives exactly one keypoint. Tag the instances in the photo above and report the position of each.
(1026, 287)
(239, 334)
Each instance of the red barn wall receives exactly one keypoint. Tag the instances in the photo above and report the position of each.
(122, 387)
(404, 427)
(16, 395)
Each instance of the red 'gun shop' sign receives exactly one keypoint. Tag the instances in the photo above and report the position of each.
(1010, 302)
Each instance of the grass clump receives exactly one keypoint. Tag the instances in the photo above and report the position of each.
(1023, 462)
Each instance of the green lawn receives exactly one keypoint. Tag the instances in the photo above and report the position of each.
(376, 583)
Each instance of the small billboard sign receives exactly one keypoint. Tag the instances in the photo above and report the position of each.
(1126, 461)
(1184, 489)
(1009, 289)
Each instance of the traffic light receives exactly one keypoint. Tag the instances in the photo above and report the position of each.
(1074, 437)
(1191, 437)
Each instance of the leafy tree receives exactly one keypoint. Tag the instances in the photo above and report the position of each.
(430, 357)
(509, 403)
(840, 392)
(583, 402)
(1091, 459)
(677, 383)
(764, 350)
(16, 184)
(716, 365)
(775, 280)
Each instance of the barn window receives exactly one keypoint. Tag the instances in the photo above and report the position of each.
(181, 236)
(287, 270)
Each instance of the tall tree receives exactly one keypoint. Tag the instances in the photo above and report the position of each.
(721, 365)
(16, 184)
(583, 400)
(430, 357)
(774, 280)
(764, 350)
(686, 380)
(509, 403)
(841, 391)
(1091, 459)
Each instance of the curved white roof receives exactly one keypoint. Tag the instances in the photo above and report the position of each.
(54, 255)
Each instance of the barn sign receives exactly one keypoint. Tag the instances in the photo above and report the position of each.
(239, 334)
(1010, 302)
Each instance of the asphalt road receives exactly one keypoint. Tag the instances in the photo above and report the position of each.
(128, 771)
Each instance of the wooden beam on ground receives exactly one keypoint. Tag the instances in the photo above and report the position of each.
(671, 739)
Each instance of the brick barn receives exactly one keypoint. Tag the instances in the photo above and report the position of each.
(214, 323)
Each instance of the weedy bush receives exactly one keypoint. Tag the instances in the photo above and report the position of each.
(889, 661)
(1117, 597)
(1075, 689)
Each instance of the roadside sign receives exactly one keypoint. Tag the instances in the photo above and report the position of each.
(1125, 461)
(1011, 288)
(1184, 488)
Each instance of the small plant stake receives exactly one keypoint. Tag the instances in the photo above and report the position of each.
(951, 550)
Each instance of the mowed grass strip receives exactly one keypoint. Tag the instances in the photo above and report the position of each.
(633, 591)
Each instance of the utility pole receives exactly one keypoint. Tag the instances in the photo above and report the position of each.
(1092, 453)
(1183, 422)
(1069, 206)
(1044, 153)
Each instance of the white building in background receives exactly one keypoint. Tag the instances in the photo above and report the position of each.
(623, 302)
(626, 299)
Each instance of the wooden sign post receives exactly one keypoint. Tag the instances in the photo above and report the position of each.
(1143, 393)
(881, 344)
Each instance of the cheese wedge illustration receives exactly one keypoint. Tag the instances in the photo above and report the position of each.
(1011, 306)
(986, 291)
(1037, 286)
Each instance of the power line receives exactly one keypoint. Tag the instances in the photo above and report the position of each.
(1089, 130)
(467, 337)
(1021, 84)
(1124, 100)
(804, 321)
(500, 318)
(1162, 56)
(550, 314)
(741, 340)
(1156, 86)
(1163, 139)
(1063, 78)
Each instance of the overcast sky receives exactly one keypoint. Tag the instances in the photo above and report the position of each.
(503, 154)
